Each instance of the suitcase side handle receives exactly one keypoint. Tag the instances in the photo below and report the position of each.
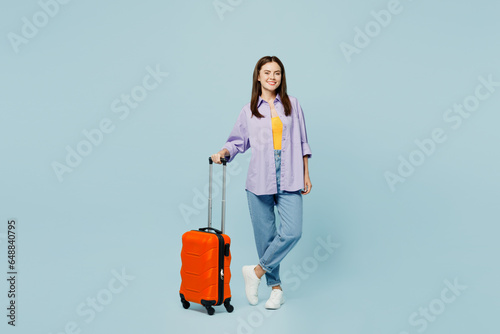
(204, 229)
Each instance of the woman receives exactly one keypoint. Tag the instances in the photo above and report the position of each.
(273, 125)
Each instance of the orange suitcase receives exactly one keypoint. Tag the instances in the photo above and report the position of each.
(206, 257)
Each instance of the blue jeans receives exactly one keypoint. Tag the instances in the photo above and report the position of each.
(274, 242)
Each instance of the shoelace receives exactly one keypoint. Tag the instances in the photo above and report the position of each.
(275, 294)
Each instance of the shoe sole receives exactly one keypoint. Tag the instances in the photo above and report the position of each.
(275, 308)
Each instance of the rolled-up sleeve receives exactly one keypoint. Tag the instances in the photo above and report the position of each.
(238, 141)
(306, 150)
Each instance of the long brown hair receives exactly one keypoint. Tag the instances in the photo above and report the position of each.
(257, 88)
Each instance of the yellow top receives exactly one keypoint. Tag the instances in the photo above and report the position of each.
(277, 132)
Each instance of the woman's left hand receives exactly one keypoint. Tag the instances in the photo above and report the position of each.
(307, 185)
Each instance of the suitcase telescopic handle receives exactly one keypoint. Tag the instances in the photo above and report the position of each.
(210, 172)
(223, 160)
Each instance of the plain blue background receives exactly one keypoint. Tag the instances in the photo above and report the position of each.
(122, 207)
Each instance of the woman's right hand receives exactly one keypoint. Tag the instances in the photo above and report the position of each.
(221, 154)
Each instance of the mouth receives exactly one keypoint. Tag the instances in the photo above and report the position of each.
(272, 83)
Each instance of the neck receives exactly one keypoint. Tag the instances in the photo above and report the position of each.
(268, 95)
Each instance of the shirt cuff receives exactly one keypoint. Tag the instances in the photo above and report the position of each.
(232, 151)
(306, 150)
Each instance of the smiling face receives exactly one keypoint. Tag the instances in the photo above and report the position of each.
(270, 76)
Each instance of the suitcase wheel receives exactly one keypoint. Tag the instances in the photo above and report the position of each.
(184, 302)
(210, 310)
(228, 306)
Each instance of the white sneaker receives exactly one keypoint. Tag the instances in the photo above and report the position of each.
(251, 284)
(276, 300)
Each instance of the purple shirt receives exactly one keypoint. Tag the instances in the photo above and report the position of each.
(257, 133)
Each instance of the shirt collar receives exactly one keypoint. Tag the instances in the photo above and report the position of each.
(277, 99)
